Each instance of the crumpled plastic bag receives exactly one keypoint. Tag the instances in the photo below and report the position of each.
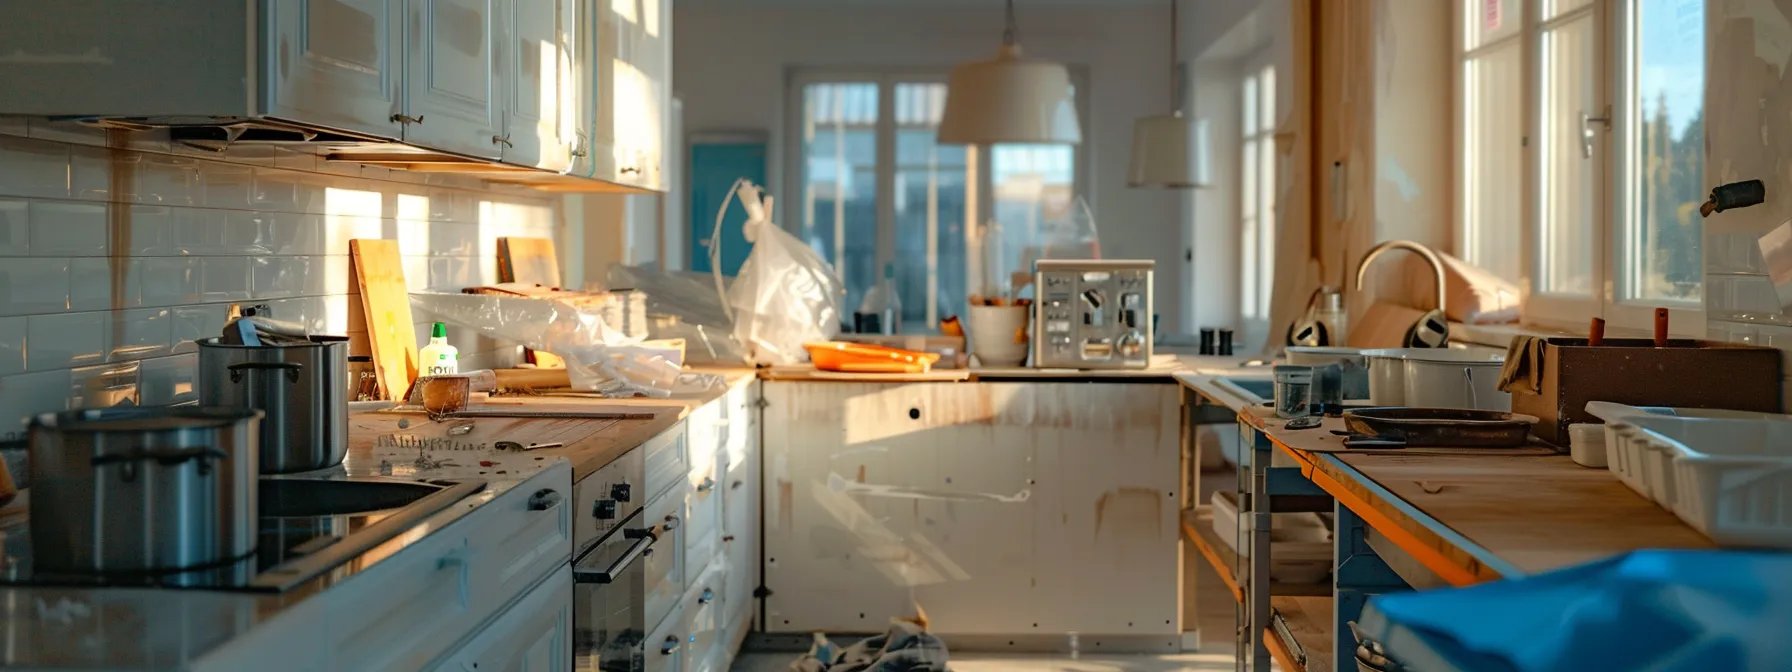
(598, 356)
(786, 294)
(685, 304)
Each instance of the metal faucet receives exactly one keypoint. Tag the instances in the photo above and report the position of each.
(1437, 264)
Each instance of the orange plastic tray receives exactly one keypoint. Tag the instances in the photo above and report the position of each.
(862, 358)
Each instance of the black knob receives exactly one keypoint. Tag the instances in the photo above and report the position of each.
(603, 509)
(707, 597)
(544, 500)
(620, 492)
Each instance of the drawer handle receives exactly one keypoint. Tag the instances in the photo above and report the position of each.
(545, 499)
(707, 597)
(407, 119)
(707, 485)
(670, 647)
(671, 524)
(642, 546)
(736, 484)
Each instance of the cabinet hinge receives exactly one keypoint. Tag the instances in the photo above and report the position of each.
(762, 592)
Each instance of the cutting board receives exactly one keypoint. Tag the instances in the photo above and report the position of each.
(528, 260)
(391, 334)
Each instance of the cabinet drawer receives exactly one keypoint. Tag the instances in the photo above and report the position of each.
(703, 524)
(664, 563)
(704, 608)
(663, 651)
(402, 613)
(666, 463)
(532, 636)
(523, 535)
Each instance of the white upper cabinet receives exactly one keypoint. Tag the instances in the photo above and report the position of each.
(336, 63)
(453, 79)
(541, 119)
(634, 54)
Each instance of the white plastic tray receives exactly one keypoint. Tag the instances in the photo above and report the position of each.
(1726, 473)
(1304, 557)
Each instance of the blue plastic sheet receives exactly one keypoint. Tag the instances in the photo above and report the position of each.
(1649, 610)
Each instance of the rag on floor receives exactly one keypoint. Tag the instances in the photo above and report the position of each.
(906, 647)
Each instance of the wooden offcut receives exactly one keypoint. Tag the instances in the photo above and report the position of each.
(1633, 371)
(379, 274)
(528, 260)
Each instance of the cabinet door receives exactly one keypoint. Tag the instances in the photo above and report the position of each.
(605, 50)
(540, 113)
(338, 63)
(535, 635)
(453, 81)
(740, 507)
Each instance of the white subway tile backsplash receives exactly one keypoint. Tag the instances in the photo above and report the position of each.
(64, 340)
(32, 286)
(1776, 336)
(169, 281)
(35, 168)
(169, 380)
(63, 229)
(195, 322)
(225, 279)
(196, 231)
(90, 283)
(142, 334)
(226, 185)
(1733, 253)
(1754, 294)
(12, 345)
(103, 385)
(28, 394)
(15, 228)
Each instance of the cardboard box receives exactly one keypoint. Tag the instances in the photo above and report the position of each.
(1686, 373)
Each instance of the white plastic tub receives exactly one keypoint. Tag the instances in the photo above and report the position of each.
(1726, 473)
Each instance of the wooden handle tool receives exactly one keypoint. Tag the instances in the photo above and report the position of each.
(1596, 333)
(1661, 327)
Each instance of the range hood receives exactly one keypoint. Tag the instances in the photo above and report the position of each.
(219, 134)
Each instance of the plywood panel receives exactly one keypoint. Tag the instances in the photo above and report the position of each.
(379, 273)
(528, 260)
(1000, 508)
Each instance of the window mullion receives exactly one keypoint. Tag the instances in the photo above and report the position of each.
(886, 175)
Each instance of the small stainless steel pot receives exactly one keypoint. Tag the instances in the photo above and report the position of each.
(303, 389)
(162, 491)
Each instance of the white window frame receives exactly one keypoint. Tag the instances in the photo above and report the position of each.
(1264, 200)
(979, 199)
(1614, 216)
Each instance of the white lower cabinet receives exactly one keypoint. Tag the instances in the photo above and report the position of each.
(534, 635)
(704, 610)
(665, 647)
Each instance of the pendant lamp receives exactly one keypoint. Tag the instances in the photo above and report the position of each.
(1169, 150)
(1009, 99)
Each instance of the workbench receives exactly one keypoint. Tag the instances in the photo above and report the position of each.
(1405, 521)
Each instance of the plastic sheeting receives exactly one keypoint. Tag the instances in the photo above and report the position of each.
(1648, 610)
(786, 294)
(598, 356)
(683, 304)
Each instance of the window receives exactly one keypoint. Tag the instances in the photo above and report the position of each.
(874, 189)
(1257, 202)
(1580, 154)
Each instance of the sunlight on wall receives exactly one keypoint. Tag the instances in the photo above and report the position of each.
(625, 10)
(650, 17)
(350, 214)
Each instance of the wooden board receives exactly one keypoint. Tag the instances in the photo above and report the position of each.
(386, 302)
(1309, 620)
(1321, 439)
(528, 260)
(590, 444)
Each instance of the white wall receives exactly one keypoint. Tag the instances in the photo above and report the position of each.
(731, 65)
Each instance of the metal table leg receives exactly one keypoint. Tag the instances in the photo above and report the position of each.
(1260, 451)
(1357, 574)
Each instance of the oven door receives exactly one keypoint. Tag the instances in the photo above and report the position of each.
(609, 601)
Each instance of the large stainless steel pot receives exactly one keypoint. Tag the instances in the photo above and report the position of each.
(301, 388)
(167, 491)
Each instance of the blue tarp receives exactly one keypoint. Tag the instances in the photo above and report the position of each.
(1648, 610)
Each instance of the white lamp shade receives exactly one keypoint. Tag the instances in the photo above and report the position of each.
(1009, 99)
(1169, 151)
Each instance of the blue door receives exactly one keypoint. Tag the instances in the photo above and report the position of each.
(714, 168)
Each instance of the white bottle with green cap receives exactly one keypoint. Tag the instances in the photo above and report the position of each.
(439, 358)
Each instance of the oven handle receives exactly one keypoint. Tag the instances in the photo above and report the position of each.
(610, 574)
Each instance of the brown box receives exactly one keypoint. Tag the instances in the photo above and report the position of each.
(1686, 373)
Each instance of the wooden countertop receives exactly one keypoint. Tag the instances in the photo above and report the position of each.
(1474, 518)
(1165, 368)
(591, 443)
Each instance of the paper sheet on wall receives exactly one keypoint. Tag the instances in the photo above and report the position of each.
(1776, 253)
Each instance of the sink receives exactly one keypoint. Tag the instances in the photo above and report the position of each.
(301, 498)
(1254, 389)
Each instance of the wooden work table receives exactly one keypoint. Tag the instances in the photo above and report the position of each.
(1480, 517)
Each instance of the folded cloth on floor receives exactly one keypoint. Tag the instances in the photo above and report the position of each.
(906, 647)
(1523, 371)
